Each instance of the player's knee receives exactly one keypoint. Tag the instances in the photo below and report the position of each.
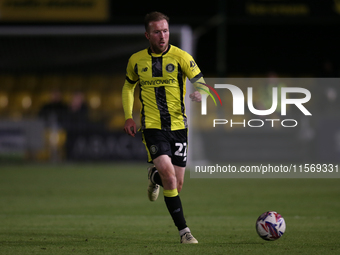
(168, 179)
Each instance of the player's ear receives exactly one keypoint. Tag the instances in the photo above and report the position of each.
(147, 35)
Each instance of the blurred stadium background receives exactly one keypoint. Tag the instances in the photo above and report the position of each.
(77, 51)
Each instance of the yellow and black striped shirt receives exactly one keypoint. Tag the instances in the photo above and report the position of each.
(162, 82)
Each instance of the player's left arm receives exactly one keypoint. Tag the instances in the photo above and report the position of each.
(196, 78)
(200, 89)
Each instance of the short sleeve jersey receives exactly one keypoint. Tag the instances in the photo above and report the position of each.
(162, 82)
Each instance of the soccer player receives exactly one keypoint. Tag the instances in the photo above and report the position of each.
(160, 72)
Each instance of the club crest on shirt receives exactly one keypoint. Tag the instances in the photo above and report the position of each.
(170, 68)
(153, 149)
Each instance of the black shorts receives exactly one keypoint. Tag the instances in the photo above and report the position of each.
(172, 143)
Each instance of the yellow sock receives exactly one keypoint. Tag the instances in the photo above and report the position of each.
(170, 193)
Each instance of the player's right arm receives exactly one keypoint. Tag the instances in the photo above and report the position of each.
(128, 98)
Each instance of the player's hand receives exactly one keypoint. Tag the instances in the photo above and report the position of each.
(196, 96)
(130, 127)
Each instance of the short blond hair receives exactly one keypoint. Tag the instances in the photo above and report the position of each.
(154, 16)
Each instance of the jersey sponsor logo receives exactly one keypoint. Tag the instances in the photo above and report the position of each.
(144, 69)
(158, 82)
(170, 68)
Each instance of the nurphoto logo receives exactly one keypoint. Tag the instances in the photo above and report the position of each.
(281, 97)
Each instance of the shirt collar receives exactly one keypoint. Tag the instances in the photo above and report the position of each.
(150, 52)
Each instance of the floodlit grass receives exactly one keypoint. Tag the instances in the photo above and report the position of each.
(103, 209)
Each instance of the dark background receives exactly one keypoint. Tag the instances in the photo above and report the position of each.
(249, 44)
(293, 45)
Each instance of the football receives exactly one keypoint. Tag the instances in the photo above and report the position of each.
(270, 226)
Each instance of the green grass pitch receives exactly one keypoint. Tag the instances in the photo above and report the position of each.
(103, 209)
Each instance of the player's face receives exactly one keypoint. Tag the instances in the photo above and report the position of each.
(158, 36)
